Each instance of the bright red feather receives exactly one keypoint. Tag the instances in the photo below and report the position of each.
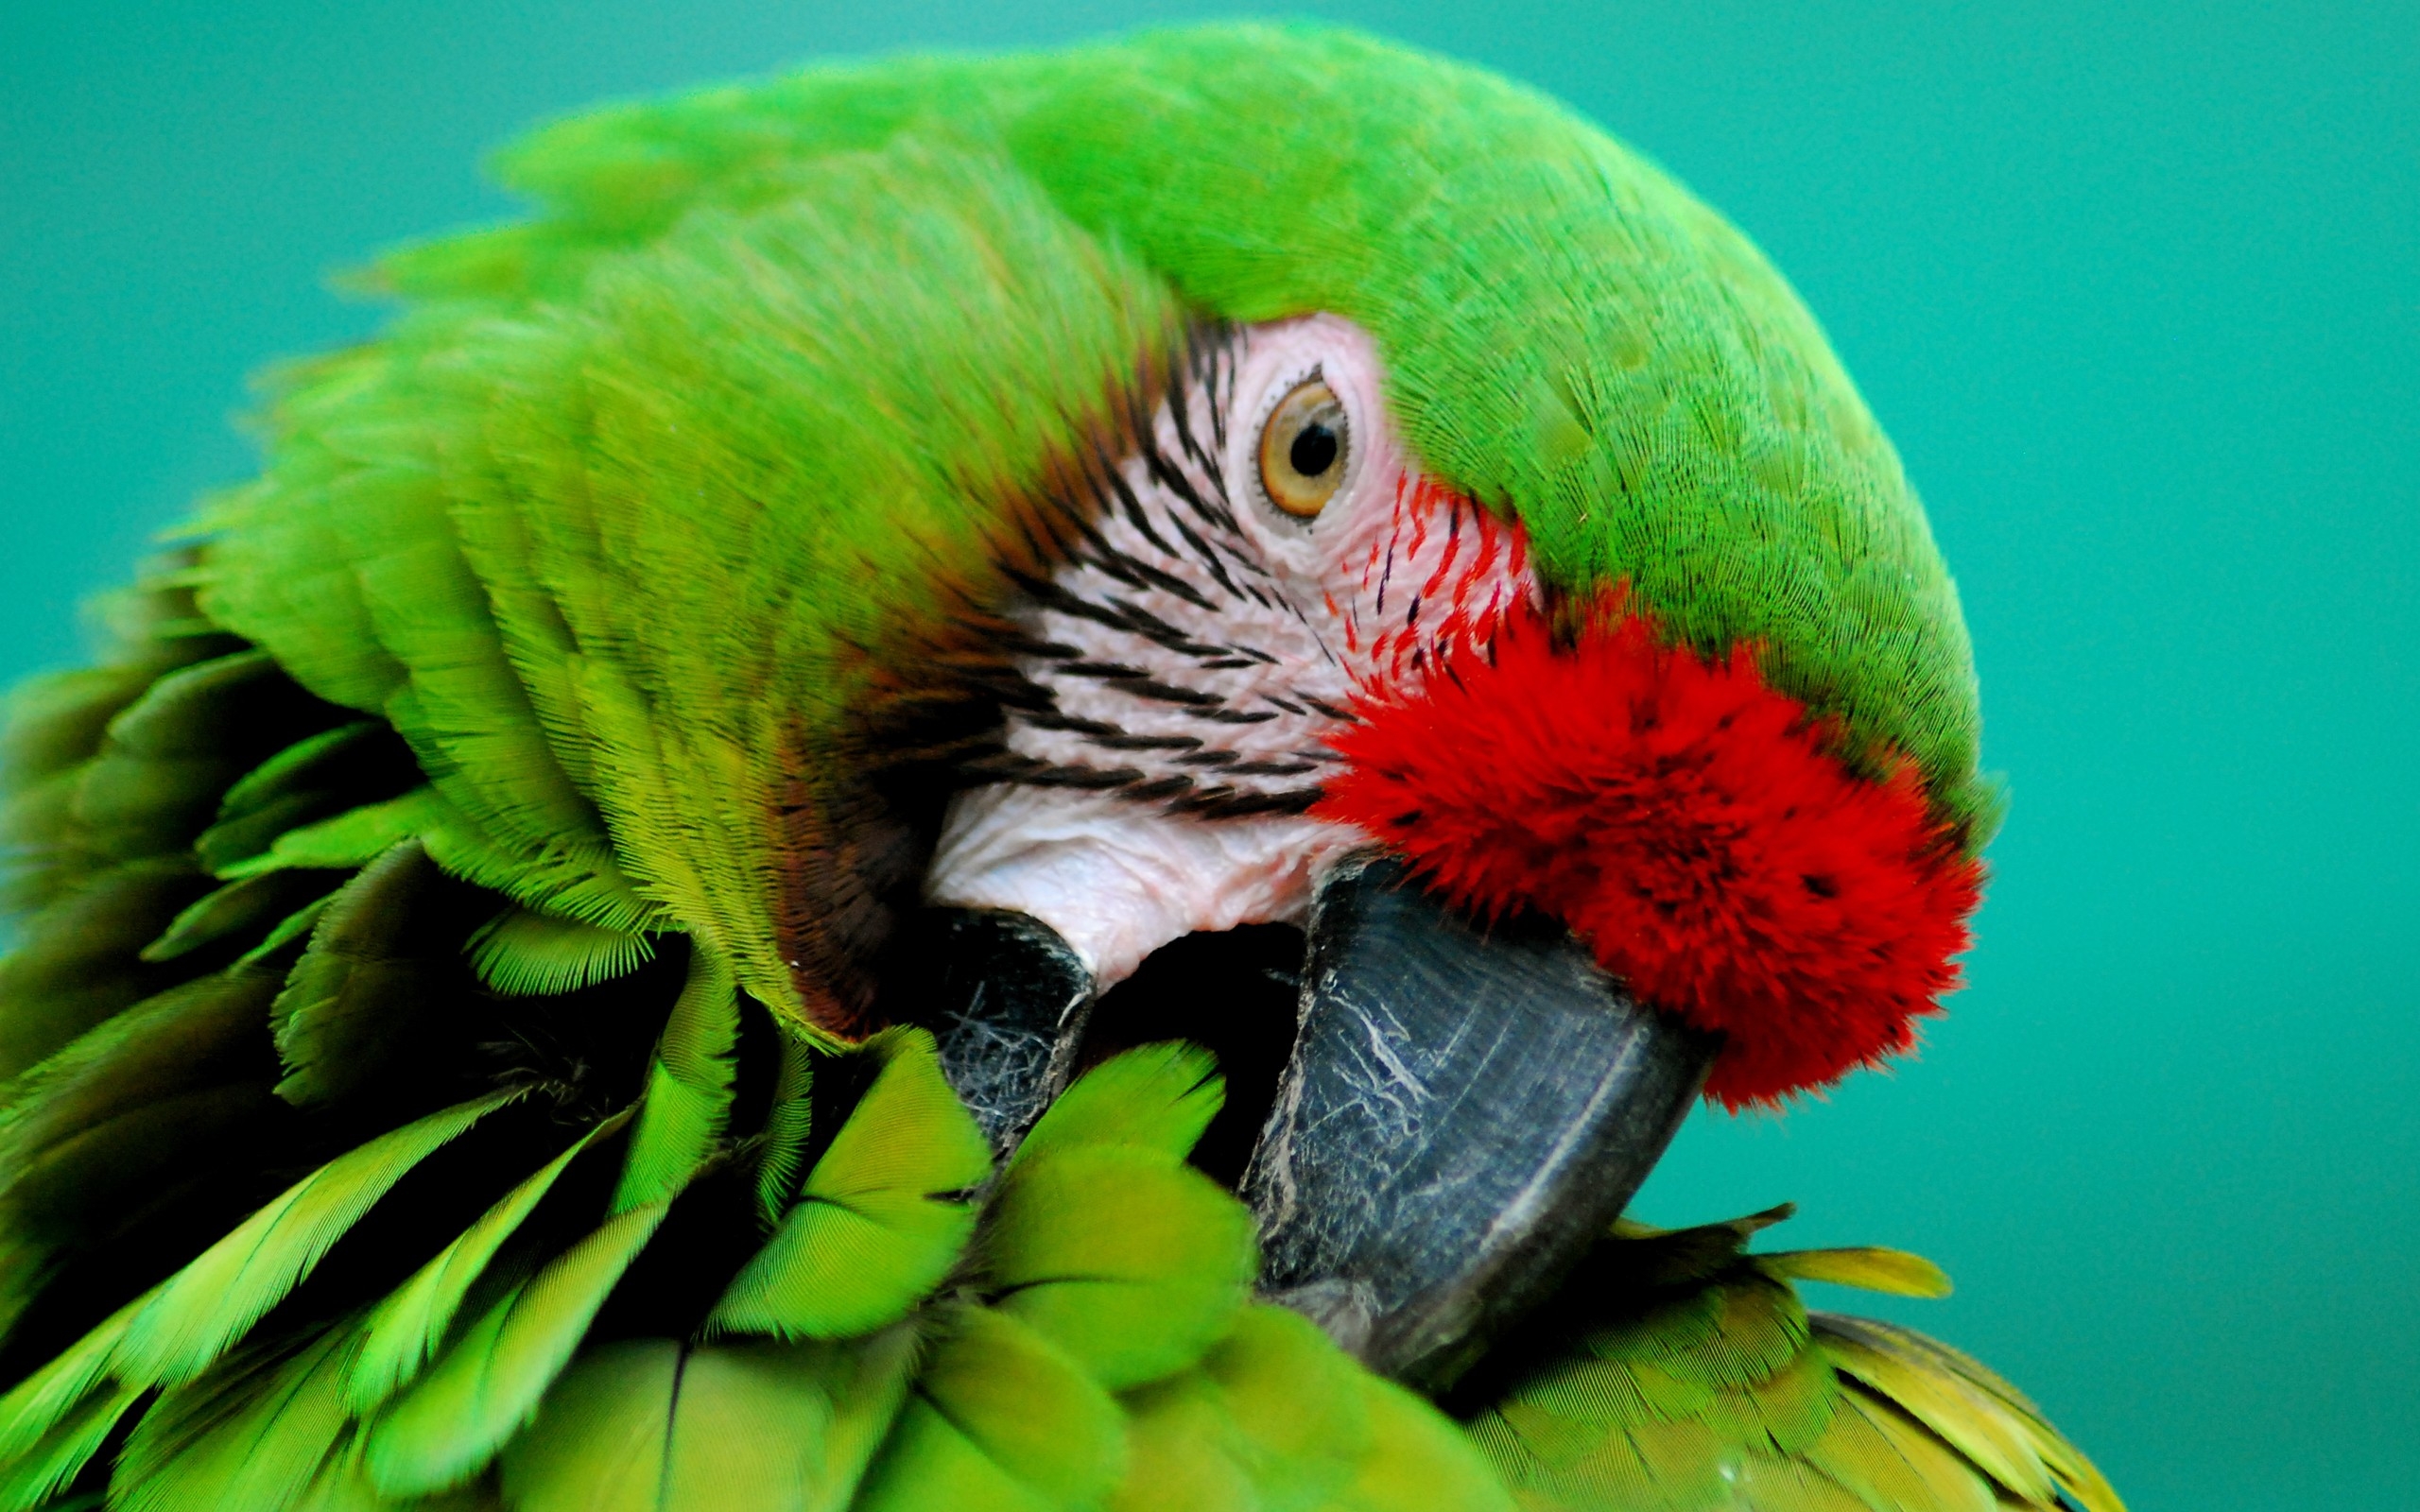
(1687, 821)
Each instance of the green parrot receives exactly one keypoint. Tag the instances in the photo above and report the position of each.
(1004, 782)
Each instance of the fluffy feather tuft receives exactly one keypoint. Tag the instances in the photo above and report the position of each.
(1691, 823)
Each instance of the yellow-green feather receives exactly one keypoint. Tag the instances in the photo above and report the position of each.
(880, 1219)
(1686, 1375)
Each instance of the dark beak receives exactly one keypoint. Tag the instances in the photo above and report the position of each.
(1464, 1110)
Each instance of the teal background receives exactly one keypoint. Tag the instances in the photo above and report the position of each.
(2135, 288)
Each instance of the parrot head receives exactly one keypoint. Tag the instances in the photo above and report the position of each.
(1249, 534)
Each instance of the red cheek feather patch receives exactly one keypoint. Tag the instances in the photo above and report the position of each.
(1685, 819)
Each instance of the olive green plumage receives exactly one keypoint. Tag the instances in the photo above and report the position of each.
(1685, 1373)
(417, 1094)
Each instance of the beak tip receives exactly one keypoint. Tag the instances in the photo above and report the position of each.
(1346, 1311)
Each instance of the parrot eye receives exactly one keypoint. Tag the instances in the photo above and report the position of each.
(1303, 448)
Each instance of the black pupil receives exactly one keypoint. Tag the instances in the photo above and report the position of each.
(1314, 449)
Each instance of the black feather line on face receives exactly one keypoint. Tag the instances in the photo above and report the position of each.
(1181, 540)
